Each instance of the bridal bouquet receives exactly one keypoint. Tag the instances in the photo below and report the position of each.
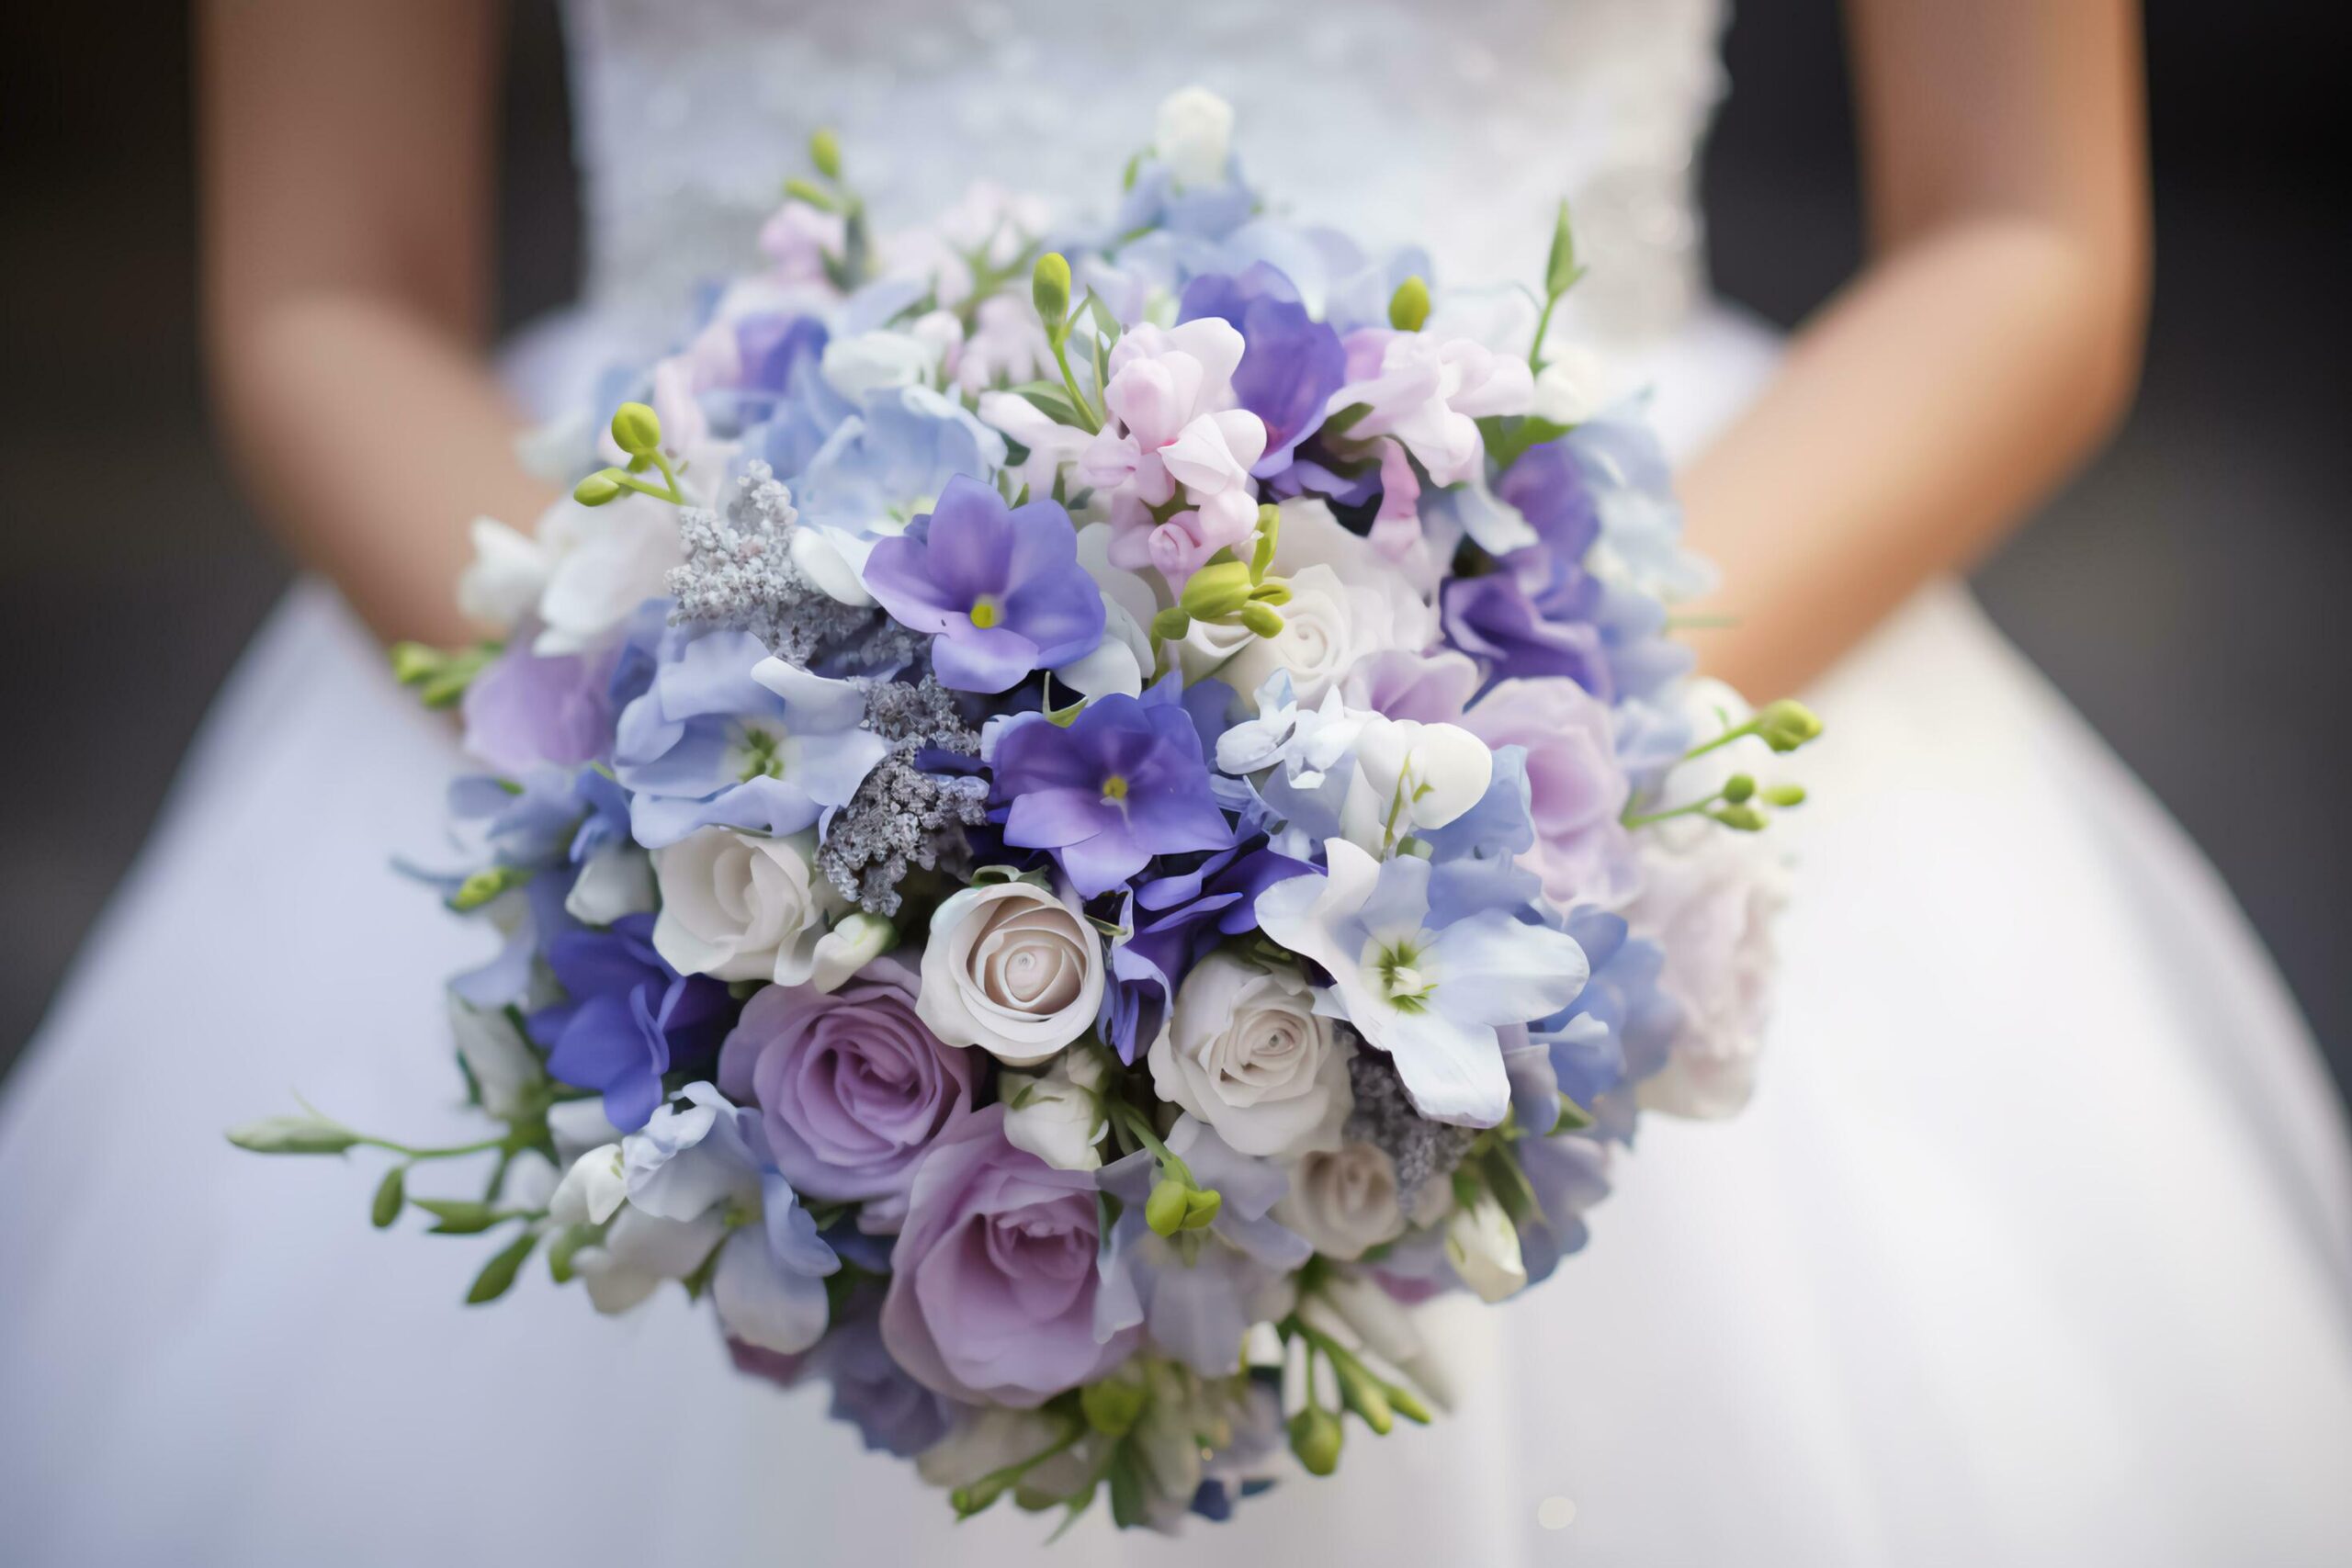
(1073, 830)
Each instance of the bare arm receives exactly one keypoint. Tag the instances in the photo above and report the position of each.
(346, 186)
(1989, 347)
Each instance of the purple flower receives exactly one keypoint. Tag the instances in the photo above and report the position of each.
(1575, 789)
(1124, 782)
(1493, 618)
(893, 1414)
(1549, 491)
(850, 1087)
(1293, 364)
(525, 711)
(1173, 921)
(1619, 1028)
(994, 1280)
(630, 1018)
(1569, 1176)
(1000, 588)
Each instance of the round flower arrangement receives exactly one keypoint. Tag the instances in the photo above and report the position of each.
(1075, 816)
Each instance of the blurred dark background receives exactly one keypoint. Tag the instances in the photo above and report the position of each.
(2184, 593)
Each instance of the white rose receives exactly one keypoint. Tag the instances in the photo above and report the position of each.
(1711, 908)
(1192, 134)
(741, 907)
(1058, 1115)
(605, 561)
(1343, 1201)
(1245, 1051)
(876, 362)
(1012, 969)
(1328, 626)
(1482, 1246)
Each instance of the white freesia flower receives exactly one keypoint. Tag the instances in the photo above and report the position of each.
(643, 1251)
(617, 880)
(1193, 135)
(592, 1190)
(876, 362)
(1058, 1115)
(503, 582)
(1568, 389)
(1482, 1246)
(605, 561)
(1344, 1201)
(1357, 1311)
(1411, 776)
(1245, 1051)
(1012, 969)
(739, 907)
(504, 1067)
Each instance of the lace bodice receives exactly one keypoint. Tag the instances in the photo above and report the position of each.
(1453, 123)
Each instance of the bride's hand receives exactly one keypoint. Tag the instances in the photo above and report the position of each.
(347, 192)
(1990, 346)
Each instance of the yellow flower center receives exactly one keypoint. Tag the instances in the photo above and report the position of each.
(986, 612)
(1116, 788)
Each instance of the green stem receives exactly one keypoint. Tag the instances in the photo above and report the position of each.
(1542, 325)
(1093, 421)
(450, 1151)
(1140, 1125)
(1725, 738)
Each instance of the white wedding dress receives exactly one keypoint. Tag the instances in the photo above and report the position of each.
(2035, 1247)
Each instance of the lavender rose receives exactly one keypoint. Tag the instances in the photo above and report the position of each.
(851, 1087)
(993, 1281)
(1576, 790)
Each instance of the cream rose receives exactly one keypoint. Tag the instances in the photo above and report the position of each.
(738, 906)
(1328, 626)
(1012, 969)
(1246, 1052)
(1343, 1201)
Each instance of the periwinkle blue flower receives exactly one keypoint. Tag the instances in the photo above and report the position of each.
(999, 587)
(1124, 781)
(628, 1018)
(1293, 362)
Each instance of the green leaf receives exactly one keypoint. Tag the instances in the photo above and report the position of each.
(458, 1216)
(497, 1276)
(567, 1241)
(1574, 1118)
(1346, 419)
(293, 1136)
(1052, 401)
(390, 1193)
(1127, 1490)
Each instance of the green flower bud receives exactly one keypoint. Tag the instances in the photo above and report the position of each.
(1787, 725)
(483, 886)
(1169, 624)
(1113, 1407)
(413, 661)
(1405, 1403)
(1560, 267)
(390, 1193)
(636, 429)
(293, 1136)
(1314, 1438)
(1785, 795)
(567, 1241)
(817, 196)
(1409, 306)
(458, 1216)
(825, 151)
(1262, 618)
(596, 489)
(1217, 590)
(1738, 788)
(1744, 818)
(1269, 533)
(1050, 291)
(1201, 1208)
(1363, 1394)
(1165, 1210)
